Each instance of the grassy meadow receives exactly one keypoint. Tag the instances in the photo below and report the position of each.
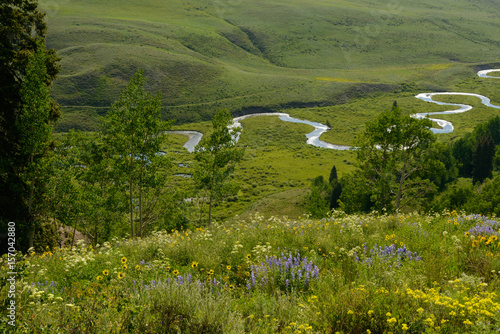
(400, 273)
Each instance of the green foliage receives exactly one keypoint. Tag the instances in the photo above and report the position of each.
(216, 157)
(26, 75)
(318, 201)
(447, 170)
(33, 126)
(88, 199)
(355, 196)
(496, 159)
(486, 200)
(333, 174)
(393, 157)
(133, 131)
(474, 151)
(482, 159)
(335, 194)
(463, 150)
(455, 197)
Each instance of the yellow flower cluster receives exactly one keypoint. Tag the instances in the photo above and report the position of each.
(293, 327)
(480, 304)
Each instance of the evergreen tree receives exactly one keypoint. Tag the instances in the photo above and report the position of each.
(496, 160)
(333, 174)
(336, 189)
(34, 128)
(483, 156)
(335, 194)
(22, 34)
(463, 150)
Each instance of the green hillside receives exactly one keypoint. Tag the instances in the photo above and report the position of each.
(254, 55)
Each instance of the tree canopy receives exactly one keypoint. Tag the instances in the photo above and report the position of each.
(216, 157)
(392, 157)
(22, 35)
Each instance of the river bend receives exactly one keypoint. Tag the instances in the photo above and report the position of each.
(319, 129)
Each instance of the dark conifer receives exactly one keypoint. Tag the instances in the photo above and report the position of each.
(333, 174)
(484, 153)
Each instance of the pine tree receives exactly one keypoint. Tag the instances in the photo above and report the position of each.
(482, 160)
(333, 174)
(335, 195)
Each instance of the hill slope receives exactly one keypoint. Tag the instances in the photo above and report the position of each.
(258, 54)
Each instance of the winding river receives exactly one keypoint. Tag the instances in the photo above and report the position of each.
(319, 129)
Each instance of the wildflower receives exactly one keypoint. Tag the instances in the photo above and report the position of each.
(420, 310)
(350, 312)
(211, 272)
(404, 327)
(370, 312)
(125, 267)
(137, 267)
(168, 268)
(368, 331)
(105, 272)
(124, 260)
(392, 321)
(121, 275)
(99, 278)
(467, 322)
(175, 272)
(388, 314)
(194, 264)
(228, 267)
(248, 256)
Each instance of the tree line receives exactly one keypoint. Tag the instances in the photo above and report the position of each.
(401, 166)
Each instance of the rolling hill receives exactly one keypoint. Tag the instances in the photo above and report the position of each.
(263, 55)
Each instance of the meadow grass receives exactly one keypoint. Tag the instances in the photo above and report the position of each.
(277, 165)
(349, 274)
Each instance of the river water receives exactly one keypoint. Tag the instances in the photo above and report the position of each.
(312, 138)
